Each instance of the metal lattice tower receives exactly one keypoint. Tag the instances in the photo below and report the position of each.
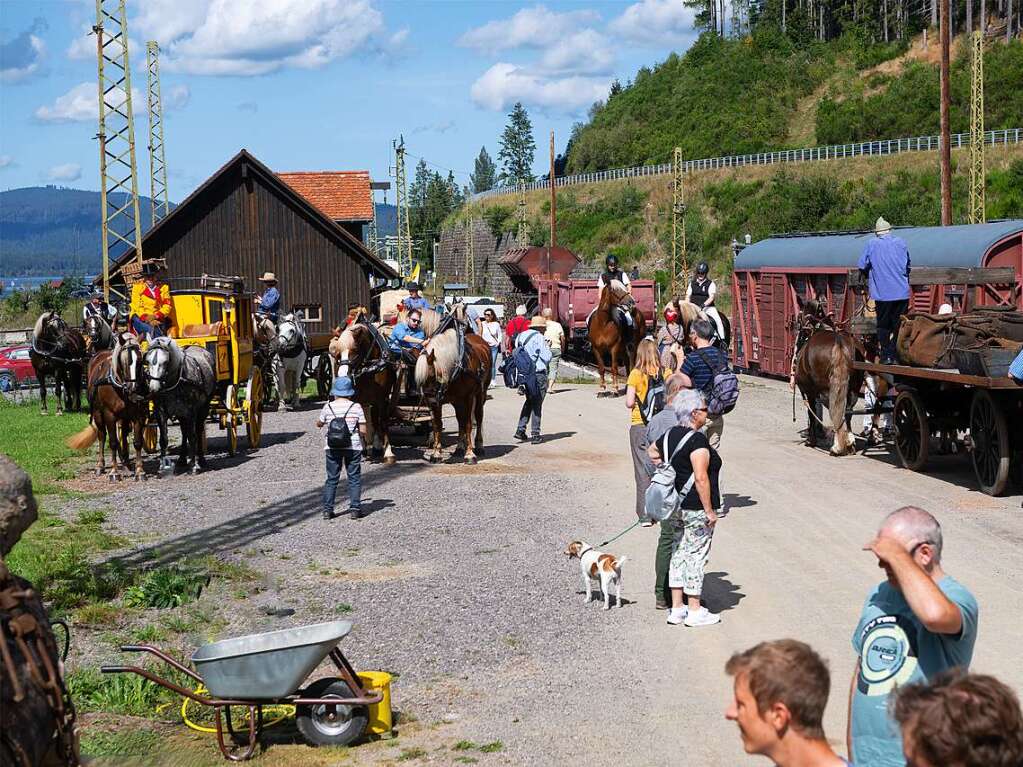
(159, 204)
(401, 192)
(977, 213)
(118, 173)
(679, 264)
(374, 244)
(523, 232)
(470, 253)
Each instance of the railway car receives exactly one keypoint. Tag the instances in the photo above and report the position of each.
(768, 276)
(572, 301)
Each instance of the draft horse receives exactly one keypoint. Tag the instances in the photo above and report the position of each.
(117, 404)
(610, 334)
(362, 353)
(454, 368)
(58, 350)
(822, 366)
(98, 334)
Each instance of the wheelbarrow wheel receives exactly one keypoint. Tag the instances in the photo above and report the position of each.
(325, 725)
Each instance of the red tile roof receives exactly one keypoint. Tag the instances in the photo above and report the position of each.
(343, 195)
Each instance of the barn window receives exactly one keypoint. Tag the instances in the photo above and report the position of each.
(310, 312)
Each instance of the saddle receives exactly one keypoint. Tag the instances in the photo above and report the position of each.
(931, 340)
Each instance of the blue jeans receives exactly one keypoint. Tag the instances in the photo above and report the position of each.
(532, 409)
(494, 351)
(352, 460)
(153, 330)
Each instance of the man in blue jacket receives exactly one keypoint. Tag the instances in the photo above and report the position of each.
(270, 300)
(885, 263)
(536, 346)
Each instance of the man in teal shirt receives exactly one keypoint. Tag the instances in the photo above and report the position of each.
(917, 623)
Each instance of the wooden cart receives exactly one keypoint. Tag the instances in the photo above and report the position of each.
(977, 413)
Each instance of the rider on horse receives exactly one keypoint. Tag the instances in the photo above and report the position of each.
(151, 309)
(611, 273)
(701, 291)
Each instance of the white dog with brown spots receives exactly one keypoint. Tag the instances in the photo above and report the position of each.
(601, 567)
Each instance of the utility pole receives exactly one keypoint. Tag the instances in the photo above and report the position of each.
(117, 169)
(523, 232)
(945, 147)
(158, 202)
(554, 200)
(679, 264)
(374, 229)
(470, 252)
(978, 214)
(404, 227)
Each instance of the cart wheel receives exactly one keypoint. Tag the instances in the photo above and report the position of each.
(990, 436)
(912, 430)
(323, 375)
(325, 725)
(150, 438)
(254, 409)
(230, 419)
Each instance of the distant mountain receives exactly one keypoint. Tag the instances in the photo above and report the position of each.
(48, 230)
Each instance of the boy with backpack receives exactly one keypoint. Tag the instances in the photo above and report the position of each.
(706, 370)
(346, 430)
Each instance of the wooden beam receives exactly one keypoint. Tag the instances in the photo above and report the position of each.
(951, 275)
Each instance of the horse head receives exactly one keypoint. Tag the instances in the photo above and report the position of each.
(98, 332)
(616, 294)
(163, 361)
(290, 333)
(351, 349)
(265, 331)
(127, 364)
(49, 326)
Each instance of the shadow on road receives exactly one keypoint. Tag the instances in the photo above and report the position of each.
(720, 593)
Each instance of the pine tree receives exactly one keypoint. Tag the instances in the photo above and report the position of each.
(517, 147)
(484, 174)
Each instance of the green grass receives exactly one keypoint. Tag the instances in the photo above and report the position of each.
(127, 694)
(409, 754)
(131, 742)
(165, 587)
(492, 748)
(464, 745)
(36, 442)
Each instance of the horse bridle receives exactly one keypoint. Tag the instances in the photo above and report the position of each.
(56, 345)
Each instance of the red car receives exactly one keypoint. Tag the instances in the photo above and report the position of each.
(15, 367)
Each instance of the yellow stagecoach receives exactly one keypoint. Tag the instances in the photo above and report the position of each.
(217, 315)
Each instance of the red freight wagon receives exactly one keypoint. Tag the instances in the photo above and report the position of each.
(571, 302)
(769, 274)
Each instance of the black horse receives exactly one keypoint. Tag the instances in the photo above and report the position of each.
(98, 334)
(58, 351)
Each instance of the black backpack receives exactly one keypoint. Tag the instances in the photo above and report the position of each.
(723, 390)
(339, 436)
(653, 402)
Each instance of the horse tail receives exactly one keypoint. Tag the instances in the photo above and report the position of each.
(838, 392)
(422, 369)
(83, 439)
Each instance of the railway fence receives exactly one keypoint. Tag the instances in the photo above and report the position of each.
(878, 148)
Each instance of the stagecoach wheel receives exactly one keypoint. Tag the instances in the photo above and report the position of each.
(912, 430)
(253, 409)
(323, 376)
(326, 725)
(989, 433)
(230, 419)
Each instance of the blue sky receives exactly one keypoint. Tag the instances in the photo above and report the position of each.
(317, 84)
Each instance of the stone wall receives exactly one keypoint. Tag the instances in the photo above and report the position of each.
(491, 280)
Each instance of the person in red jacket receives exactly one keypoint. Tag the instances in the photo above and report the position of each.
(515, 325)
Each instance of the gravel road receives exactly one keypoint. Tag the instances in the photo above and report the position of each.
(456, 580)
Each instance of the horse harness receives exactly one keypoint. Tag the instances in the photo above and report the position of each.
(450, 322)
(21, 628)
(386, 355)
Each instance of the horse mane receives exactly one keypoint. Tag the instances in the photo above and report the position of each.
(41, 323)
(688, 311)
(445, 357)
(616, 290)
(347, 342)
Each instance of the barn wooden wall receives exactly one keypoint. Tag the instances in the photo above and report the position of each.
(243, 226)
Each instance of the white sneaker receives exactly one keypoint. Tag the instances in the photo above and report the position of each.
(677, 615)
(702, 617)
(647, 523)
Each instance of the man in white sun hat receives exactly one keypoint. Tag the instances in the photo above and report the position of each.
(270, 299)
(885, 264)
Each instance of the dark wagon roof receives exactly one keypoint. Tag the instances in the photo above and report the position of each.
(934, 246)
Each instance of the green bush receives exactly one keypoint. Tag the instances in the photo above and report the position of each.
(167, 587)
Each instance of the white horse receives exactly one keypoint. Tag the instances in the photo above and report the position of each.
(291, 348)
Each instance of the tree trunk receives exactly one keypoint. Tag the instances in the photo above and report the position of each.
(934, 13)
(983, 17)
(783, 3)
(884, 15)
(1008, 20)
(969, 17)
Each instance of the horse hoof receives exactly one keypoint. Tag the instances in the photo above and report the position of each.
(470, 460)
(390, 460)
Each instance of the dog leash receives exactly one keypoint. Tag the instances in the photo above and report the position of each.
(623, 532)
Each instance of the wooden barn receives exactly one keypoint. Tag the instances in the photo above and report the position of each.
(245, 220)
(769, 274)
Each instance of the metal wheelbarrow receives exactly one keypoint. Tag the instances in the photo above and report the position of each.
(270, 669)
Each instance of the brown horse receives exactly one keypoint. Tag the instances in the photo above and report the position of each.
(361, 352)
(117, 404)
(58, 350)
(823, 364)
(611, 336)
(444, 378)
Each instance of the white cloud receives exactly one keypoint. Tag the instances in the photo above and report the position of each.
(504, 84)
(177, 97)
(6, 161)
(81, 104)
(71, 171)
(536, 27)
(22, 57)
(583, 52)
(254, 37)
(655, 23)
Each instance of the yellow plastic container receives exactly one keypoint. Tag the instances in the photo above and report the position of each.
(379, 713)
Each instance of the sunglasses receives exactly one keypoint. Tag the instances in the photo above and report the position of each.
(413, 322)
(700, 410)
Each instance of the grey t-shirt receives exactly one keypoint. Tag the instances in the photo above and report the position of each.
(895, 649)
(660, 423)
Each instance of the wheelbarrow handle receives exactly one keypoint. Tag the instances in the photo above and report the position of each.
(162, 656)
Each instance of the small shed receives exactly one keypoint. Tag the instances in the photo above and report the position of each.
(768, 276)
(245, 220)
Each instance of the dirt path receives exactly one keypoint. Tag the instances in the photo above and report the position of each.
(456, 580)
